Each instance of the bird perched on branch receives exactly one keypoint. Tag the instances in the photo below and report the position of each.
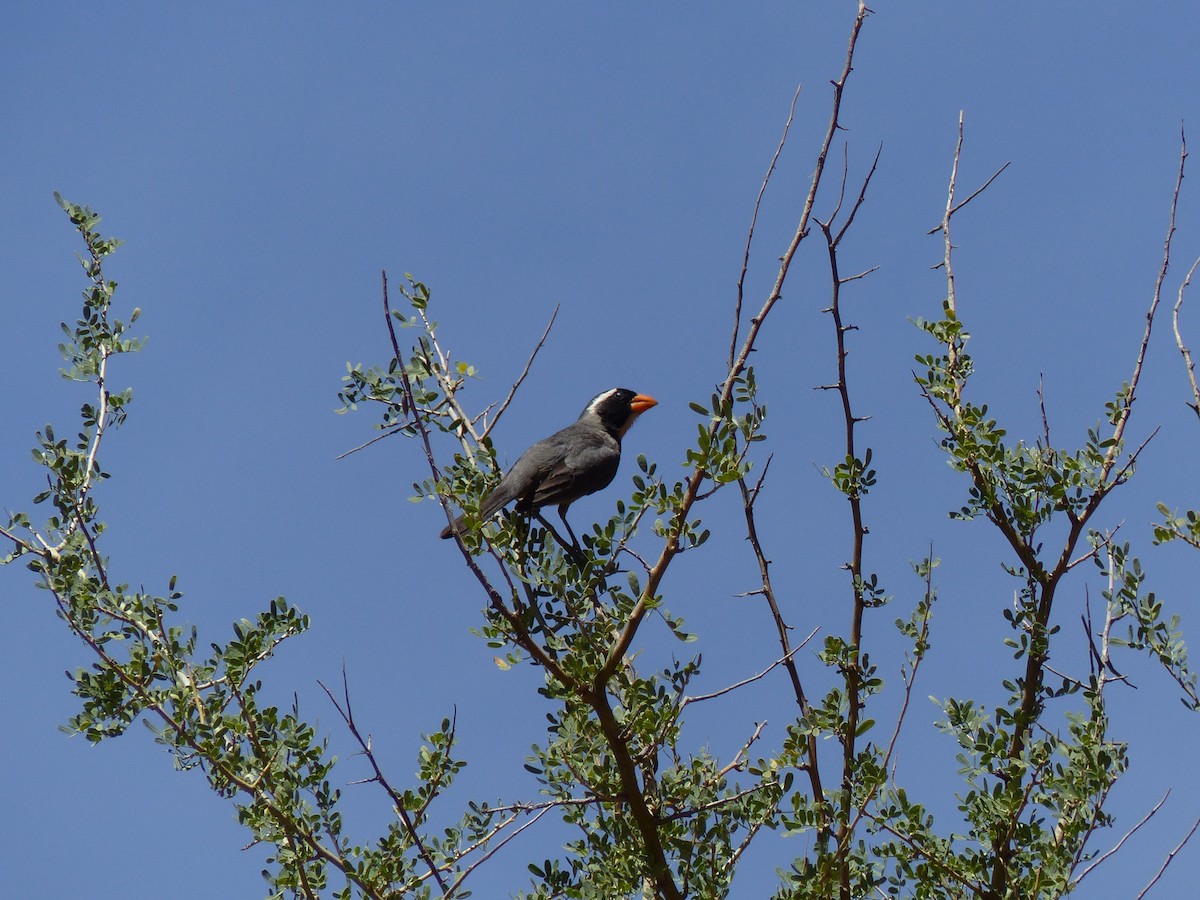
(572, 463)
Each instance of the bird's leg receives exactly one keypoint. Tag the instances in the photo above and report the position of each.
(531, 593)
(562, 514)
(572, 549)
(576, 550)
(553, 531)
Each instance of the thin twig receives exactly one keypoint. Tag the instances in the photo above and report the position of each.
(862, 197)
(712, 804)
(1127, 405)
(365, 444)
(741, 283)
(528, 364)
(739, 758)
(1042, 407)
(753, 678)
(1183, 349)
(347, 714)
(952, 210)
(985, 186)
(492, 851)
(1170, 858)
(1130, 833)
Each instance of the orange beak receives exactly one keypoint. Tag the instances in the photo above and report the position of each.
(641, 403)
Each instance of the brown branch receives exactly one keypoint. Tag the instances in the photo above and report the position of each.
(151, 702)
(1109, 476)
(741, 282)
(1170, 858)
(956, 207)
(517, 384)
(862, 197)
(753, 678)
(852, 672)
(1183, 349)
(672, 548)
(781, 628)
(454, 888)
(347, 714)
(644, 818)
(597, 693)
(1113, 850)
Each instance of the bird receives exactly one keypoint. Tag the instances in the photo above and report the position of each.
(572, 463)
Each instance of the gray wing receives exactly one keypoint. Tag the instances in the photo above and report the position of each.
(584, 461)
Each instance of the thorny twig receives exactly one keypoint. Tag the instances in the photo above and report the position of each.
(1109, 475)
(909, 680)
(624, 639)
(1170, 858)
(347, 713)
(952, 208)
(1183, 349)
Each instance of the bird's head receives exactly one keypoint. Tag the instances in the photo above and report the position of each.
(617, 409)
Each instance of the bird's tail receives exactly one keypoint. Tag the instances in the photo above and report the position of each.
(487, 508)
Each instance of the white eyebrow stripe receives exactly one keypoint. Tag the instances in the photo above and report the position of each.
(592, 406)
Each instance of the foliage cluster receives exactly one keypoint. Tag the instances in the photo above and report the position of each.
(650, 816)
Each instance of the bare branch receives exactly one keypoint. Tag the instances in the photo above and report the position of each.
(862, 197)
(692, 487)
(936, 228)
(1130, 833)
(1170, 858)
(378, 777)
(846, 279)
(1183, 349)
(492, 851)
(365, 444)
(1127, 405)
(753, 678)
(528, 364)
(741, 283)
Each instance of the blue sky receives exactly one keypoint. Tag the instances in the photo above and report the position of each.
(264, 162)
